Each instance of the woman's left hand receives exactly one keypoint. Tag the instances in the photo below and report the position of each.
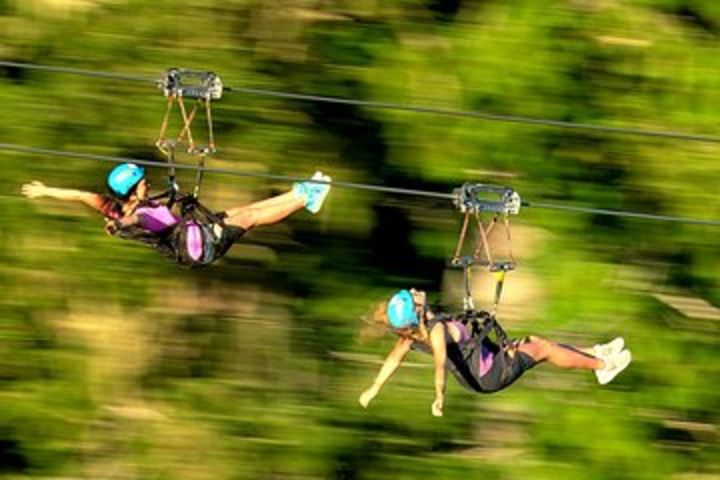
(437, 407)
(111, 226)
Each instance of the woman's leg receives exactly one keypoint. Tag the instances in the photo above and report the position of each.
(309, 194)
(264, 212)
(562, 356)
(281, 199)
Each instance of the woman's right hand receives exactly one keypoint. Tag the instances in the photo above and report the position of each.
(34, 189)
(367, 396)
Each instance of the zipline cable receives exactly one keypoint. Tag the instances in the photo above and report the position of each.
(537, 121)
(78, 71)
(351, 185)
(621, 213)
(222, 171)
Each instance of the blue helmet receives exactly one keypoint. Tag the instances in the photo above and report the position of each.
(124, 177)
(401, 310)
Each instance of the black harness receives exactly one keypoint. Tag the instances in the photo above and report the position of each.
(196, 215)
(485, 330)
(173, 242)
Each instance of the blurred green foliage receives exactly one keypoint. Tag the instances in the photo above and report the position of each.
(115, 363)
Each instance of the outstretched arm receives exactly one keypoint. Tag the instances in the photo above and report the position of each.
(392, 362)
(37, 189)
(438, 341)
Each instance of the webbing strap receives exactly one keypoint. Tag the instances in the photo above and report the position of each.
(192, 208)
(164, 125)
(499, 281)
(484, 243)
(483, 255)
(490, 324)
(461, 238)
(506, 221)
(187, 119)
(168, 148)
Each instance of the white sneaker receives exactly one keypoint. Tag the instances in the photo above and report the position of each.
(614, 364)
(613, 347)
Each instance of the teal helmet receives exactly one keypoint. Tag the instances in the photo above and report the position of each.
(124, 177)
(401, 310)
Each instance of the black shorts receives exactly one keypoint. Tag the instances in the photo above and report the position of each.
(506, 368)
(465, 365)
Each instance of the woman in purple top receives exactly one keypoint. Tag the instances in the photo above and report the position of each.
(192, 240)
(478, 363)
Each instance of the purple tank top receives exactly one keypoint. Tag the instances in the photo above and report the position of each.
(486, 360)
(486, 355)
(156, 218)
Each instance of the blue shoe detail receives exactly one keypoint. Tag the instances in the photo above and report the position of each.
(300, 191)
(317, 192)
(313, 194)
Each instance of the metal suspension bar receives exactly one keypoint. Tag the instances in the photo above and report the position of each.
(199, 175)
(171, 168)
(506, 220)
(178, 84)
(468, 199)
(499, 282)
(208, 117)
(172, 182)
(468, 303)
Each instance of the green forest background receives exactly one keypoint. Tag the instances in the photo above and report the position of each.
(115, 363)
